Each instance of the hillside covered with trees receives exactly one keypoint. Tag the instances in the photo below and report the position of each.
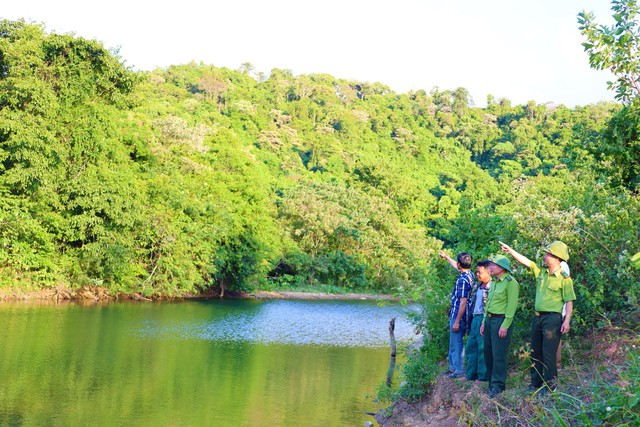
(193, 178)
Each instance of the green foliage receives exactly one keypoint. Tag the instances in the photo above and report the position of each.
(340, 269)
(620, 150)
(196, 177)
(615, 47)
(422, 367)
(420, 372)
(618, 401)
(59, 149)
(26, 249)
(621, 403)
(352, 238)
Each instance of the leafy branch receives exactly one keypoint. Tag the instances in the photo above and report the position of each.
(615, 47)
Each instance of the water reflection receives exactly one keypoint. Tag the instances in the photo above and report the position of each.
(222, 363)
(334, 323)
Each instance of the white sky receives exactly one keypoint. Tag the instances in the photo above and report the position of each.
(516, 49)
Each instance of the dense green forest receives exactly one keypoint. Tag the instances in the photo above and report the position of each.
(196, 178)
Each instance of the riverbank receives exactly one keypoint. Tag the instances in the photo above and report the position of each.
(95, 293)
(597, 385)
(318, 295)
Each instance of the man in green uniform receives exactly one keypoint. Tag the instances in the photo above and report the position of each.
(500, 309)
(554, 288)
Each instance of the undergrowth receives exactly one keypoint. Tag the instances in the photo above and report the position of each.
(597, 385)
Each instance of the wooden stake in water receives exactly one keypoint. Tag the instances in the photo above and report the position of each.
(392, 340)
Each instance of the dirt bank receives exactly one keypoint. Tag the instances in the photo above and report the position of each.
(94, 293)
(593, 362)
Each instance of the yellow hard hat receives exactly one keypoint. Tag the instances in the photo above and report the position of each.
(635, 260)
(558, 249)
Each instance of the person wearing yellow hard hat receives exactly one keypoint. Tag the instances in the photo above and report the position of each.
(554, 289)
(499, 313)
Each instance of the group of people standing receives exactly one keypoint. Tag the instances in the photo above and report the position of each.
(485, 310)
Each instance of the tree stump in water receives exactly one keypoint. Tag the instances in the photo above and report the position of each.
(392, 340)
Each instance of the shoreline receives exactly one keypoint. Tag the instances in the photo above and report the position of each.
(95, 294)
(320, 295)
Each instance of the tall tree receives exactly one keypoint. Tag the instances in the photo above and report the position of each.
(617, 48)
(62, 150)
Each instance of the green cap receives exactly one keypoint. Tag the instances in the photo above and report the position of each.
(502, 261)
(558, 249)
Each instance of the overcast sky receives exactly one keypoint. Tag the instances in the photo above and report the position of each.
(516, 49)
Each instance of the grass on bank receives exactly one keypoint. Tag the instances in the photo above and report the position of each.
(597, 385)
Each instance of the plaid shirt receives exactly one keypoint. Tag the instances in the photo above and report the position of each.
(483, 290)
(462, 289)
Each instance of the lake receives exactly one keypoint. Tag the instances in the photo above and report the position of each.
(195, 363)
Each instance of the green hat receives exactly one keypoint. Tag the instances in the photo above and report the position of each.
(502, 261)
(559, 250)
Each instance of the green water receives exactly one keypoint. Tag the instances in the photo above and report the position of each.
(218, 363)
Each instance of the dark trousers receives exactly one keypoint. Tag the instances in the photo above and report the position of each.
(474, 352)
(545, 338)
(495, 353)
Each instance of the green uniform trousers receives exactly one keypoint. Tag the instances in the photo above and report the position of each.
(545, 338)
(474, 352)
(495, 353)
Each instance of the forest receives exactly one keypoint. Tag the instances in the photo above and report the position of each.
(196, 178)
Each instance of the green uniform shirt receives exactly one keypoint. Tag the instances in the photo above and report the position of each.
(503, 298)
(552, 290)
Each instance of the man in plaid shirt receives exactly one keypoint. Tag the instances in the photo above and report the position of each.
(459, 311)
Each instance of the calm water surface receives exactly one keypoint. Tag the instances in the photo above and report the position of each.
(214, 363)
